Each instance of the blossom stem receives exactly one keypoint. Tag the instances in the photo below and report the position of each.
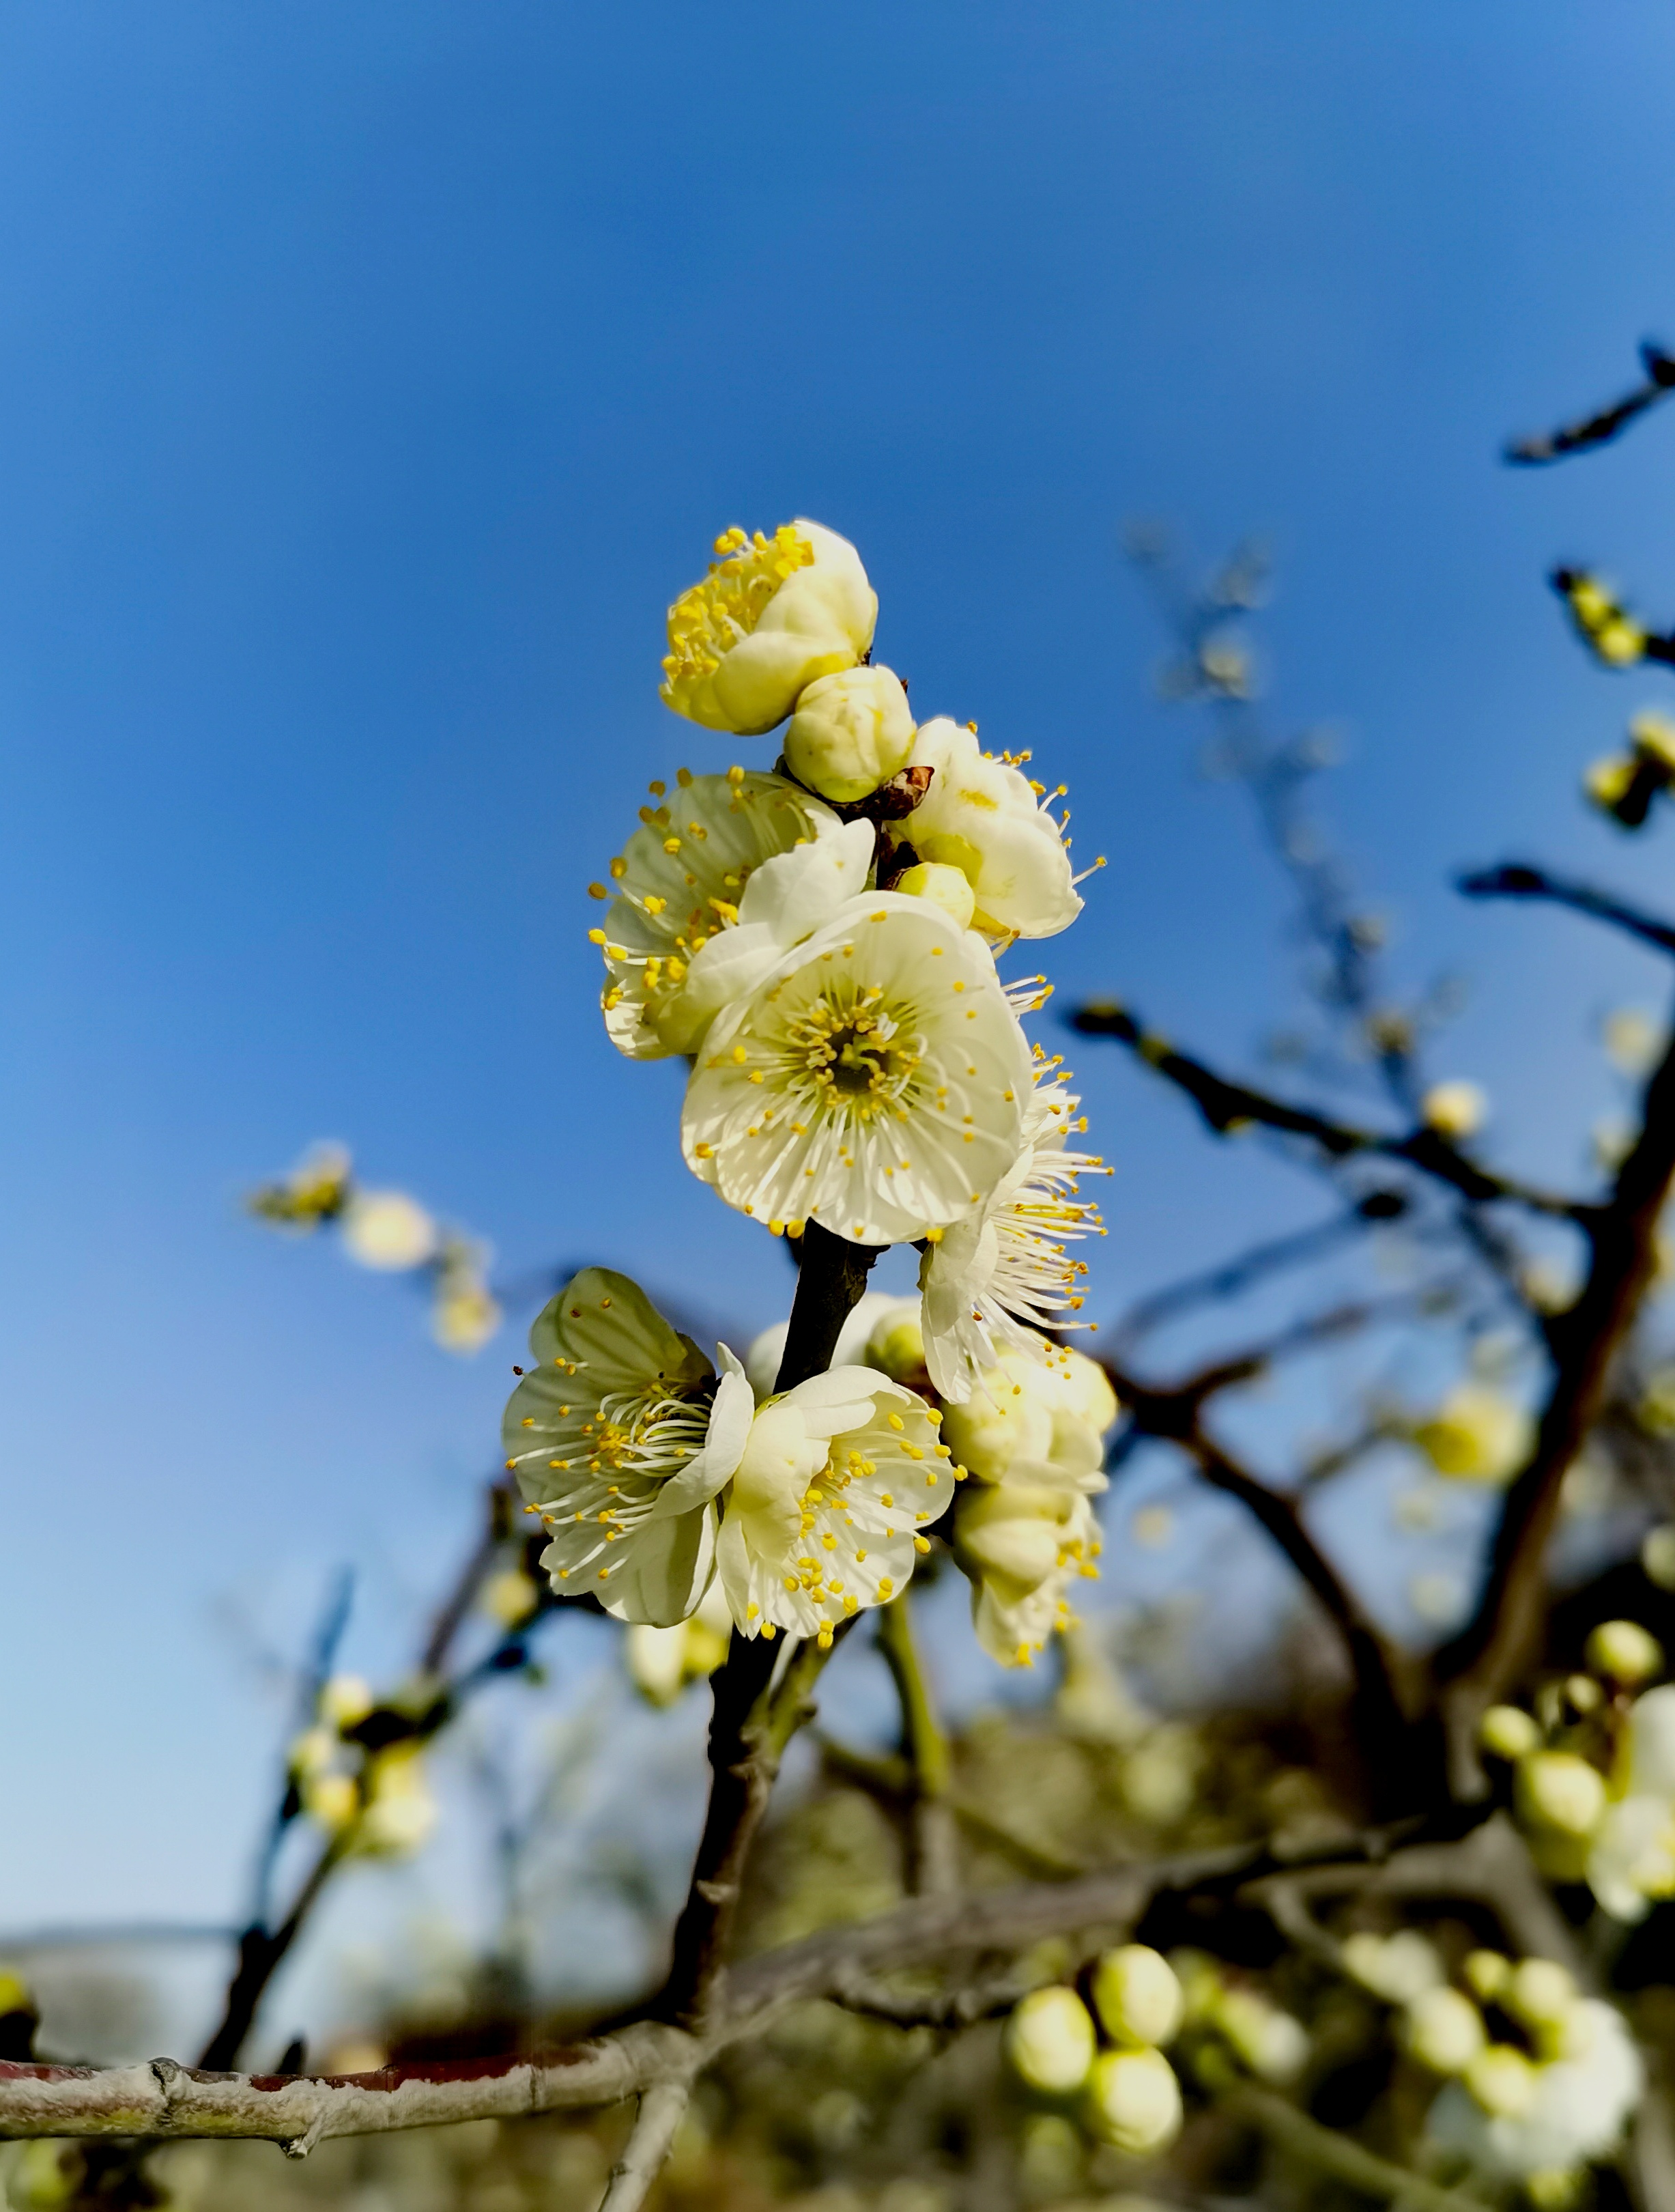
(935, 1861)
(750, 1727)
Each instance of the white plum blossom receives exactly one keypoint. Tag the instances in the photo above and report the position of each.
(1035, 1416)
(770, 618)
(829, 1501)
(678, 884)
(984, 816)
(1575, 2111)
(1001, 1275)
(621, 1437)
(875, 1079)
(786, 900)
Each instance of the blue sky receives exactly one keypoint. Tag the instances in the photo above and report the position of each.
(371, 378)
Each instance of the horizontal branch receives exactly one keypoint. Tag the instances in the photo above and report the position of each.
(1229, 1106)
(1515, 880)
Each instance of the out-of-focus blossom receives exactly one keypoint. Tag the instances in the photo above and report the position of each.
(1050, 2041)
(388, 1231)
(464, 1312)
(314, 1190)
(1133, 2101)
(1476, 1435)
(1137, 1995)
(663, 1662)
(1456, 1111)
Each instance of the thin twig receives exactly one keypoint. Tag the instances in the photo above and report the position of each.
(1292, 2130)
(934, 1868)
(1226, 1106)
(1606, 422)
(1517, 880)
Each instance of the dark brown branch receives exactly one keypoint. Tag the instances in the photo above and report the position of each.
(1600, 429)
(749, 1729)
(1516, 880)
(1230, 1106)
(1502, 1636)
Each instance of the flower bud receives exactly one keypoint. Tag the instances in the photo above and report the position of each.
(1624, 1653)
(509, 1598)
(1502, 2080)
(1133, 2101)
(897, 1346)
(1539, 1992)
(1507, 1732)
(1009, 1534)
(1397, 1968)
(1476, 1435)
(1657, 1555)
(1273, 2045)
(1050, 2041)
(1486, 1973)
(1003, 1421)
(1137, 1995)
(1557, 1789)
(333, 1800)
(1455, 1109)
(1443, 2030)
(345, 1701)
(950, 888)
(387, 1229)
(850, 732)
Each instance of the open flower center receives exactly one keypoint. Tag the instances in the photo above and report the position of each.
(849, 1054)
(645, 1433)
(710, 619)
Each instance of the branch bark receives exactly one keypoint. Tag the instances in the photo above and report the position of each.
(1517, 880)
(748, 1727)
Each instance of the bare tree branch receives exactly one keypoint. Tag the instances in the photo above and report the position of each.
(1608, 422)
(1517, 879)
(1230, 1106)
(661, 2109)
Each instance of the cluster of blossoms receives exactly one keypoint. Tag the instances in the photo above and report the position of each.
(392, 1233)
(1593, 1772)
(1129, 2094)
(367, 1792)
(818, 942)
(1537, 2080)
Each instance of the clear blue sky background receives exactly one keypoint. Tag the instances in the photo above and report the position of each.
(372, 376)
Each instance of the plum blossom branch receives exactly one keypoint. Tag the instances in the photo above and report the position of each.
(1606, 422)
(1517, 880)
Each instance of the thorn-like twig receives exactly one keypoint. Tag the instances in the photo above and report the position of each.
(1608, 422)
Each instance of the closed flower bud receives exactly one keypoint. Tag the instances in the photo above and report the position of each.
(1273, 2045)
(345, 1701)
(897, 1346)
(1507, 1732)
(1133, 2102)
(1486, 1974)
(1397, 1968)
(850, 734)
(950, 888)
(1502, 2080)
(1004, 1426)
(509, 1598)
(1444, 2031)
(1624, 1653)
(1050, 2041)
(1557, 1789)
(1477, 1435)
(1454, 1109)
(1539, 1992)
(1137, 1995)
(333, 1800)
(387, 1229)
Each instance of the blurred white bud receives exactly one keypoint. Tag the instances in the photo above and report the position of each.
(1050, 2041)
(1656, 1410)
(1456, 1110)
(662, 1661)
(1502, 2080)
(1624, 1652)
(332, 1799)
(1509, 1732)
(1133, 2101)
(1476, 1435)
(850, 732)
(1634, 1040)
(1486, 1974)
(345, 1701)
(465, 1313)
(509, 1598)
(950, 888)
(1397, 1968)
(896, 1345)
(1540, 1993)
(1657, 1555)
(1137, 1996)
(1444, 2030)
(1273, 2045)
(1559, 1789)
(387, 1229)
(400, 1811)
(311, 1753)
